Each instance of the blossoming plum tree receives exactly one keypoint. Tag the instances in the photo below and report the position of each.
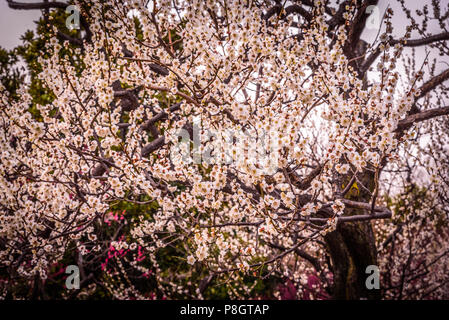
(252, 130)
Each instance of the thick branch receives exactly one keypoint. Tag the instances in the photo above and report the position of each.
(358, 24)
(102, 167)
(370, 60)
(153, 146)
(423, 41)
(408, 43)
(72, 40)
(433, 83)
(129, 99)
(338, 19)
(34, 6)
(306, 181)
(160, 116)
(300, 10)
(421, 116)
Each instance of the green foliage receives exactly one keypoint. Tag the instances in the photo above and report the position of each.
(10, 74)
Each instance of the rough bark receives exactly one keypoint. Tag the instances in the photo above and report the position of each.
(352, 248)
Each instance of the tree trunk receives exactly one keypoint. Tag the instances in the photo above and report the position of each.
(352, 248)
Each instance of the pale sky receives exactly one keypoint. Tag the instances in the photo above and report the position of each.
(14, 23)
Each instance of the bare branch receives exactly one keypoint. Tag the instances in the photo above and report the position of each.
(421, 116)
(423, 41)
(433, 83)
(34, 6)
